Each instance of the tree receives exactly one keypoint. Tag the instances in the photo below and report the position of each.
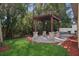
(55, 9)
(11, 12)
(1, 37)
(18, 19)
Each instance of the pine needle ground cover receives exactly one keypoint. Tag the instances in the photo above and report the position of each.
(21, 47)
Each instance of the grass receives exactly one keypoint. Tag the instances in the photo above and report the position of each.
(21, 47)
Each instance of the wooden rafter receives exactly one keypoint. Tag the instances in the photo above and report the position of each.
(43, 18)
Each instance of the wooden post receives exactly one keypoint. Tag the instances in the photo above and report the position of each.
(51, 24)
(78, 26)
(35, 26)
(44, 26)
(59, 26)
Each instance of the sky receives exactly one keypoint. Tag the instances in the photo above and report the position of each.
(69, 12)
(30, 8)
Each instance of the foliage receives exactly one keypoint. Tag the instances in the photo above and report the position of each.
(10, 14)
(55, 9)
(18, 20)
(66, 23)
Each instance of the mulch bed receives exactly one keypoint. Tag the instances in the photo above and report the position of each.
(72, 46)
(4, 48)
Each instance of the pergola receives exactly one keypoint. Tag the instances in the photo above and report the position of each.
(43, 18)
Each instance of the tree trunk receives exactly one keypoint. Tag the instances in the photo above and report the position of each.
(8, 27)
(1, 37)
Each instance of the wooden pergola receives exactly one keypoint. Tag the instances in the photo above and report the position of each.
(43, 18)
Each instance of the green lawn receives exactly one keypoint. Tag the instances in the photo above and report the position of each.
(21, 47)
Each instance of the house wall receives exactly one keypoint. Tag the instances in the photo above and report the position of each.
(75, 10)
(78, 26)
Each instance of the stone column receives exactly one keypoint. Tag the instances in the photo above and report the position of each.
(35, 34)
(51, 35)
(44, 33)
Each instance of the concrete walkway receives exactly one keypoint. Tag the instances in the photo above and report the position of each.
(41, 39)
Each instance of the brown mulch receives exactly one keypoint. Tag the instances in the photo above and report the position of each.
(72, 46)
(4, 48)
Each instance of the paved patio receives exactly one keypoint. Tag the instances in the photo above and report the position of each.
(42, 39)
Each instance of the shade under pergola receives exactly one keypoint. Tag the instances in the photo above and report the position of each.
(43, 18)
